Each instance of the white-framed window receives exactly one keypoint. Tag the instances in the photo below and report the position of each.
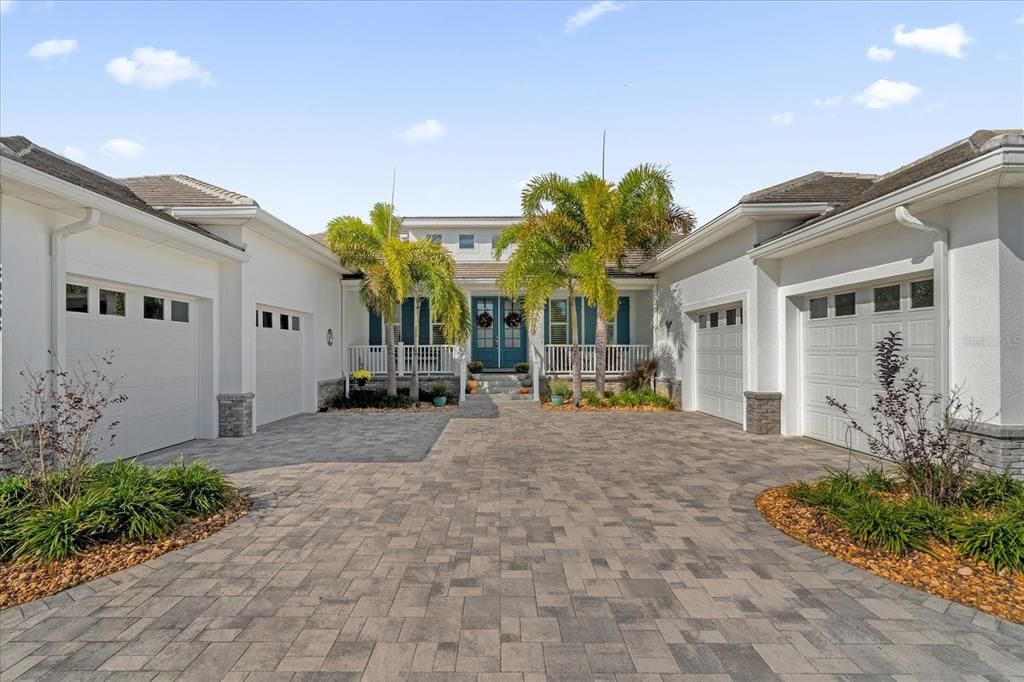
(268, 319)
(922, 294)
(285, 319)
(179, 311)
(558, 321)
(295, 323)
(610, 332)
(396, 326)
(436, 238)
(702, 321)
(713, 319)
(819, 308)
(845, 304)
(887, 298)
(467, 241)
(112, 303)
(153, 307)
(76, 298)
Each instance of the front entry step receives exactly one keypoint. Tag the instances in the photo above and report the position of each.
(499, 384)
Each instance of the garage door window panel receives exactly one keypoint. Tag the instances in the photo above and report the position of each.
(111, 302)
(76, 298)
(179, 311)
(819, 308)
(713, 320)
(295, 323)
(152, 308)
(846, 304)
(887, 298)
(284, 322)
(922, 294)
(268, 320)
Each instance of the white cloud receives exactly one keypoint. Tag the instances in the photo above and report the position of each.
(123, 147)
(828, 102)
(424, 131)
(884, 94)
(880, 54)
(5, 6)
(783, 119)
(585, 16)
(948, 40)
(74, 153)
(54, 47)
(149, 67)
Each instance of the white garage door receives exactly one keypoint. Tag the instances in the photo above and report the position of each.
(152, 338)
(720, 363)
(279, 365)
(840, 331)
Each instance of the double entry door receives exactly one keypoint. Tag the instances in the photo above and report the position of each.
(499, 341)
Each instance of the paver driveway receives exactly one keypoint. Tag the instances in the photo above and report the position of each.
(526, 543)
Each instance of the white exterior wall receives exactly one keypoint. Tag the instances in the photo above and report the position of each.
(280, 277)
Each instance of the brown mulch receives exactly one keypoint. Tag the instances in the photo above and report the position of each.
(585, 407)
(25, 580)
(943, 572)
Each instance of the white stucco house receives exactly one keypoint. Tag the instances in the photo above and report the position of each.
(226, 318)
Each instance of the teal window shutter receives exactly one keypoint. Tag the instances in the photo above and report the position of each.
(622, 321)
(425, 322)
(590, 325)
(407, 320)
(547, 323)
(375, 327)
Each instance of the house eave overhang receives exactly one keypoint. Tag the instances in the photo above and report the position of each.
(265, 223)
(459, 221)
(1003, 167)
(732, 220)
(59, 195)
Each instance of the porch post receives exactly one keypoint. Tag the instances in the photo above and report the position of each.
(400, 360)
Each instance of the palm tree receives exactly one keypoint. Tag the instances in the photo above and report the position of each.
(374, 250)
(571, 232)
(426, 272)
(393, 270)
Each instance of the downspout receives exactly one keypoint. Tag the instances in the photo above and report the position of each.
(940, 264)
(58, 281)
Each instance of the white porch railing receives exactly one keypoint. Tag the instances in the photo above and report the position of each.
(433, 359)
(620, 358)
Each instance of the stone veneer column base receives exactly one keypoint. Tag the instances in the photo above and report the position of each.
(764, 412)
(328, 390)
(234, 414)
(1002, 448)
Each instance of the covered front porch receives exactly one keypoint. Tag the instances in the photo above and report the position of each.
(500, 338)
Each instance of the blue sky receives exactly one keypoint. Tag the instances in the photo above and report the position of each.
(307, 107)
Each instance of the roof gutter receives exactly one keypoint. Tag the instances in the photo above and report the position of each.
(940, 277)
(58, 284)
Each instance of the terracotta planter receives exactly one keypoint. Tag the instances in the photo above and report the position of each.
(523, 390)
(471, 391)
(472, 383)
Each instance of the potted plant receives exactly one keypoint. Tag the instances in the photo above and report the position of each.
(362, 376)
(522, 368)
(475, 367)
(440, 394)
(559, 391)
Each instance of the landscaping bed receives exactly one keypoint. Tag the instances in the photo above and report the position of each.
(378, 400)
(971, 553)
(63, 528)
(641, 400)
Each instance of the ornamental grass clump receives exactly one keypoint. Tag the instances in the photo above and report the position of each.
(59, 530)
(989, 490)
(996, 539)
(202, 489)
(887, 526)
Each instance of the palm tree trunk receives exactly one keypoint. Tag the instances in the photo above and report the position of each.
(389, 339)
(414, 385)
(600, 352)
(577, 369)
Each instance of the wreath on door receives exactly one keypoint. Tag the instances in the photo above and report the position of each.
(484, 320)
(513, 320)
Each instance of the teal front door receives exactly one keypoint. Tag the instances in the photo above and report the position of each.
(496, 343)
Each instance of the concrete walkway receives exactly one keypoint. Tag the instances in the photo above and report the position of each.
(532, 544)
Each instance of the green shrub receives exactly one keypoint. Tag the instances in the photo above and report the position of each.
(120, 471)
(522, 367)
(887, 526)
(997, 540)
(14, 491)
(876, 479)
(373, 399)
(643, 397)
(989, 490)
(440, 390)
(60, 530)
(592, 398)
(475, 366)
(937, 520)
(136, 509)
(200, 489)
(832, 493)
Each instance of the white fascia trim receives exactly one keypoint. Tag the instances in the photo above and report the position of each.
(460, 223)
(289, 236)
(190, 241)
(997, 161)
(725, 224)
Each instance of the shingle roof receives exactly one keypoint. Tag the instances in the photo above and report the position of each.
(961, 151)
(169, 191)
(22, 150)
(480, 270)
(819, 186)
